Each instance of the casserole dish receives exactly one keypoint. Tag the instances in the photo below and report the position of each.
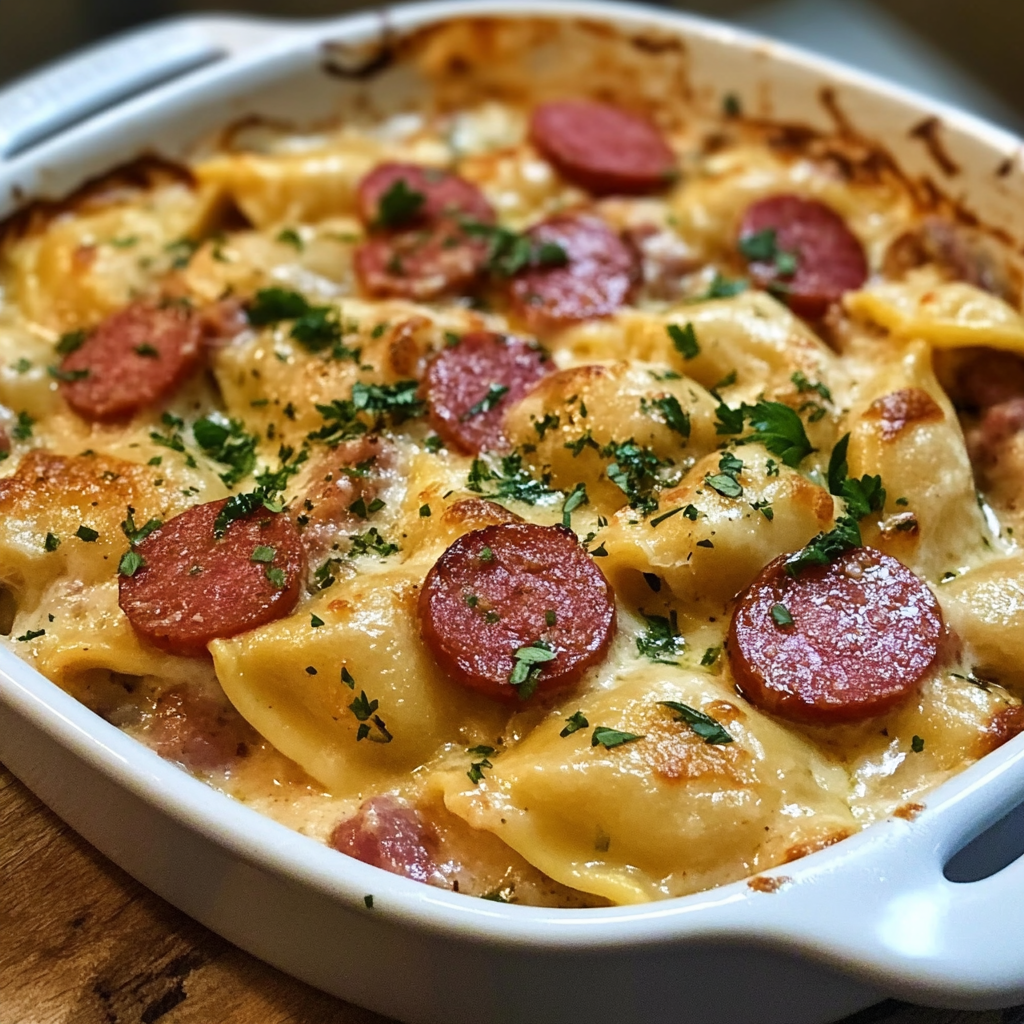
(893, 921)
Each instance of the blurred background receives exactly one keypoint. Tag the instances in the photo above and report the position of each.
(967, 54)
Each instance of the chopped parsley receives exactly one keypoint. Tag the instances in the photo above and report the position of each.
(710, 656)
(917, 744)
(31, 634)
(781, 616)
(239, 506)
(364, 710)
(316, 622)
(131, 562)
(289, 236)
(609, 738)
(368, 901)
(780, 430)
(577, 720)
(577, 497)
(424, 511)
(370, 543)
(551, 421)
(316, 328)
(723, 288)
(227, 442)
(147, 351)
(661, 641)
(671, 411)
(364, 511)
(86, 533)
(509, 252)
(512, 480)
(276, 577)
(262, 553)
(398, 400)
(634, 470)
(826, 547)
(658, 520)
(684, 340)
(762, 247)
(134, 533)
(731, 105)
(804, 386)
(67, 376)
(528, 666)
(706, 727)
(399, 205)
(23, 428)
(51, 543)
(495, 393)
(726, 480)
(862, 496)
(71, 342)
(476, 768)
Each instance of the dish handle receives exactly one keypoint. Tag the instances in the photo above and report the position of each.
(50, 100)
(887, 905)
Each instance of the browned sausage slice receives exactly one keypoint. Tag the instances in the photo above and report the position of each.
(418, 248)
(193, 588)
(516, 607)
(598, 278)
(829, 258)
(135, 357)
(471, 385)
(602, 148)
(864, 631)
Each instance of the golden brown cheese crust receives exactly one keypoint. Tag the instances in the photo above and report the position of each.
(515, 803)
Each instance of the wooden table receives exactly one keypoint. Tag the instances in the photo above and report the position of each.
(82, 943)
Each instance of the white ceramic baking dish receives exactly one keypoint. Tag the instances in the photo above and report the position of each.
(870, 917)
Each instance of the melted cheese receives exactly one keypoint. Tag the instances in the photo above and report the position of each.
(575, 822)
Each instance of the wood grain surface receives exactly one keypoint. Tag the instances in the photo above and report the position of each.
(82, 943)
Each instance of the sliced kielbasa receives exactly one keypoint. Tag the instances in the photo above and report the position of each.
(132, 359)
(835, 643)
(419, 247)
(829, 260)
(471, 385)
(389, 835)
(193, 587)
(444, 196)
(600, 273)
(516, 607)
(602, 148)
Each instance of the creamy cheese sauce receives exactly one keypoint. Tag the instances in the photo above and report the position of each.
(542, 817)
